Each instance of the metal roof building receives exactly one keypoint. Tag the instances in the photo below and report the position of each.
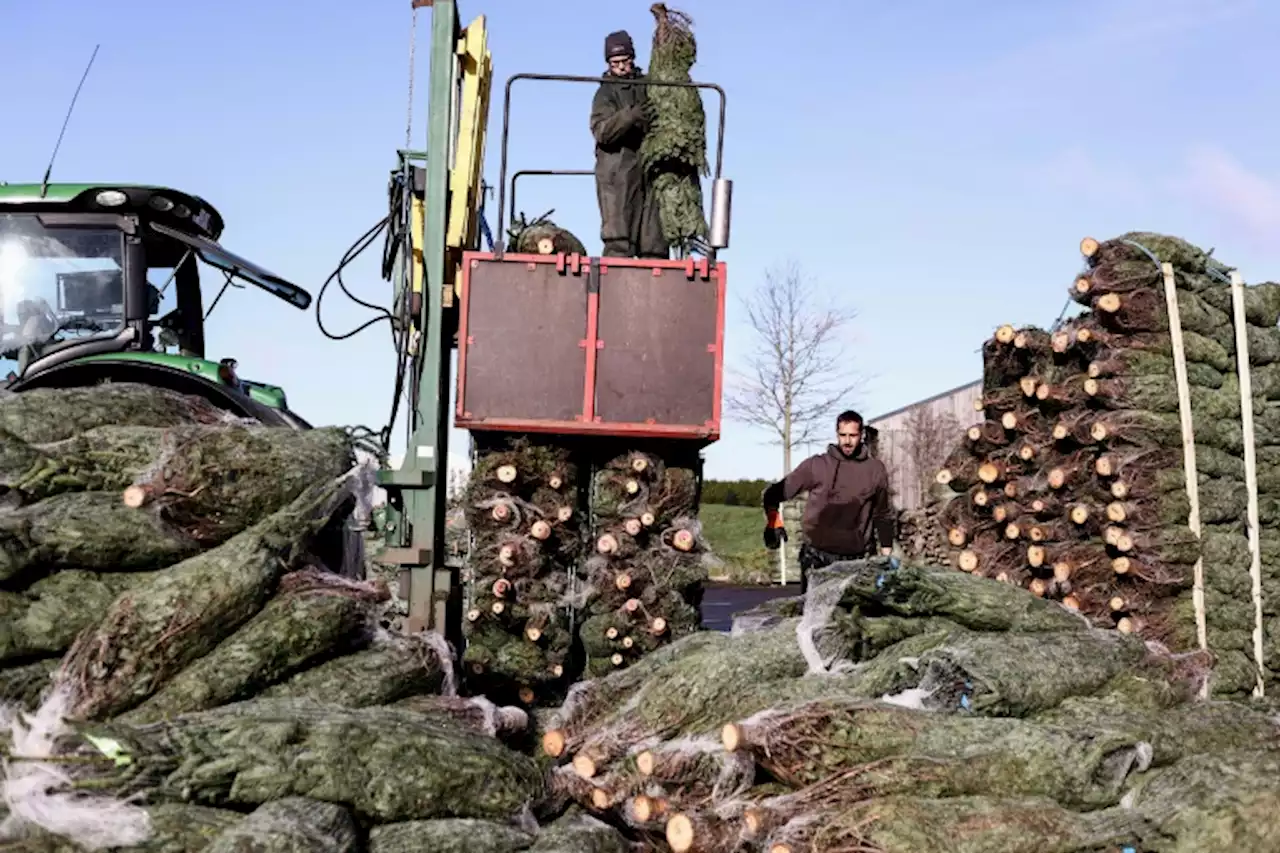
(913, 440)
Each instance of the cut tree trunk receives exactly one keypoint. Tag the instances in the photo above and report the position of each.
(153, 631)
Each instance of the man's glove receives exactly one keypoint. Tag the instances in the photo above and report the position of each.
(642, 115)
(774, 531)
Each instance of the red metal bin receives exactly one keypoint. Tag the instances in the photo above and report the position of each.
(575, 345)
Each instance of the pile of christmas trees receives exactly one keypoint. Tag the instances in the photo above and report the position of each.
(189, 659)
(580, 560)
(1076, 485)
(922, 534)
(644, 582)
(912, 709)
(522, 506)
(188, 666)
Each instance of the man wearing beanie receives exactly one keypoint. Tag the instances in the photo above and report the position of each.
(620, 115)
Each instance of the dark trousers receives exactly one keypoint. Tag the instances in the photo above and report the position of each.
(813, 558)
(624, 248)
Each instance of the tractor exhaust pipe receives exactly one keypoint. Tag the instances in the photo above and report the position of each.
(721, 212)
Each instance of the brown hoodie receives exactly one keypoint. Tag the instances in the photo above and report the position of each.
(848, 499)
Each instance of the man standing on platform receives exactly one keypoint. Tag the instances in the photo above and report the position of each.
(630, 223)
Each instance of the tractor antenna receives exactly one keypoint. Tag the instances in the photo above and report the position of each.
(44, 185)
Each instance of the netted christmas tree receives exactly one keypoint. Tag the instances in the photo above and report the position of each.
(541, 236)
(674, 151)
(643, 584)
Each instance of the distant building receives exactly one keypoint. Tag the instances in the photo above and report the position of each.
(941, 420)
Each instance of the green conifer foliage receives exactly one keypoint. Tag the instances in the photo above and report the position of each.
(674, 151)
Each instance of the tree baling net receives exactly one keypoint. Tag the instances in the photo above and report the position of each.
(674, 151)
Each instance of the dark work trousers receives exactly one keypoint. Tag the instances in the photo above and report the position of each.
(812, 558)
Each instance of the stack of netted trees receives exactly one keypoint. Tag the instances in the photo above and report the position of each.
(1076, 485)
(643, 584)
(219, 687)
(612, 570)
(186, 666)
(674, 151)
(914, 710)
(522, 509)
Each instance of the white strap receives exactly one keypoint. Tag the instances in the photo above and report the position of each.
(1250, 469)
(1188, 451)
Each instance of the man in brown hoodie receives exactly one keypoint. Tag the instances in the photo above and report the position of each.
(848, 502)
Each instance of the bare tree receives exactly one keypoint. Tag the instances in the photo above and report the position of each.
(796, 376)
(930, 436)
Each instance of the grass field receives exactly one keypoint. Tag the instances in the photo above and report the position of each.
(735, 535)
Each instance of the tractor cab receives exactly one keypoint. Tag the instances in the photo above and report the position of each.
(104, 283)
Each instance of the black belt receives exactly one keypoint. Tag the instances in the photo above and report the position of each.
(827, 555)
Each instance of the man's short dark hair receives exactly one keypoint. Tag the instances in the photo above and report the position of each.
(849, 416)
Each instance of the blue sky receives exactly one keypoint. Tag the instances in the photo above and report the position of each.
(931, 164)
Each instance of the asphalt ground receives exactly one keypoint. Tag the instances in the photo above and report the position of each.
(721, 601)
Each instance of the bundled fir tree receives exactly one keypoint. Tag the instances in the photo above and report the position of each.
(541, 236)
(674, 151)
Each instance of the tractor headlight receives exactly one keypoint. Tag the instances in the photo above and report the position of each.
(111, 198)
(160, 203)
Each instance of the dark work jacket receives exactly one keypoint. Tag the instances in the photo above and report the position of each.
(629, 218)
(848, 501)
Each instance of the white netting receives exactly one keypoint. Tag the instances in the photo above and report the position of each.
(36, 791)
(820, 604)
(754, 622)
(436, 642)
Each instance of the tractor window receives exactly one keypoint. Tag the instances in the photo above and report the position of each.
(57, 284)
(164, 296)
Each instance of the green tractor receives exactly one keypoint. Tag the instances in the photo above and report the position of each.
(101, 283)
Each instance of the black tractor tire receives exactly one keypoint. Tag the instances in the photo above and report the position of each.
(78, 374)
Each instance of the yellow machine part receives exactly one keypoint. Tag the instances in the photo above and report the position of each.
(417, 227)
(475, 67)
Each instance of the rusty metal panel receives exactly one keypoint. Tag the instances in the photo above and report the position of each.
(525, 327)
(657, 361)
